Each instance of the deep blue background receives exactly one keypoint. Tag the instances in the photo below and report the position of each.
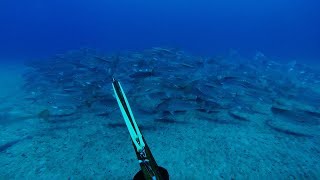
(278, 28)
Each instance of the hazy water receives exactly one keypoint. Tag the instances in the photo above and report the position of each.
(289, 29)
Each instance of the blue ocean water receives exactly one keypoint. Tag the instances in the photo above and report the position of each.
(220, 89)
(289, 28)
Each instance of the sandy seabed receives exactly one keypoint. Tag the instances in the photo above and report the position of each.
(190, 148)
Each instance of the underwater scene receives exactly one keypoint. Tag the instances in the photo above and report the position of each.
(160, 89)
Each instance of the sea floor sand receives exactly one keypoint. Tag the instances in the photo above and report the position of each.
(10, 78)
(87, 147)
